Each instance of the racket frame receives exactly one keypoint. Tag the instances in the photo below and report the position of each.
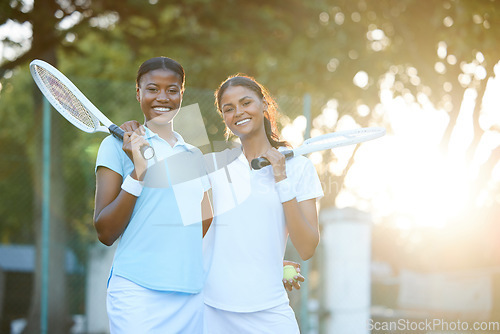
(354, 136)
(96, 113)
(97, 116)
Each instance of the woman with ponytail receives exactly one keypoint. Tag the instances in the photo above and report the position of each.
(254, 213)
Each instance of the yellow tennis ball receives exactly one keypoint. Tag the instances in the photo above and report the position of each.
(289, 272)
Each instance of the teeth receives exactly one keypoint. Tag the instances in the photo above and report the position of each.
(243, 121)
(162, 109)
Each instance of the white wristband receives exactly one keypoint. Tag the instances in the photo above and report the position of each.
(132, 186)
(285, 190)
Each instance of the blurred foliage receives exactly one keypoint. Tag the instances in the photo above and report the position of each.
(16, 179)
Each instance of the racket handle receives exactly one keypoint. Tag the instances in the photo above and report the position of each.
(147, 151)
(259, 163)
(116, 131)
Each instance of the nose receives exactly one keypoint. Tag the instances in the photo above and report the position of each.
(239, 110)
(162, 96)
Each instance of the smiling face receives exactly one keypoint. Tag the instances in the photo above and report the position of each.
(160, 94)
(243, 111)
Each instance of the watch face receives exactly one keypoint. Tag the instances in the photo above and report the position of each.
(148, 152)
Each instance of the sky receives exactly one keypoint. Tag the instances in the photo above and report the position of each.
(18, 33)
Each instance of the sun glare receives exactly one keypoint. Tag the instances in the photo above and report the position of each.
(405, 175)
(396, 176)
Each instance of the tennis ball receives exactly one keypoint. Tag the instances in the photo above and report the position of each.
(289, 272)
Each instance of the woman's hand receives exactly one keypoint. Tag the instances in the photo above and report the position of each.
(277, 160)
(132, 126)
(289, 285)
(132, 143)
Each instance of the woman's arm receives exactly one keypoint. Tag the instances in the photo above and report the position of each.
(206, 213)
(303, 228)
(301, 217)
(113, 205)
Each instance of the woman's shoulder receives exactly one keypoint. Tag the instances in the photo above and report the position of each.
(111, 141)
(220, 159)
(298, 165)
(110, 144)
(193, 149)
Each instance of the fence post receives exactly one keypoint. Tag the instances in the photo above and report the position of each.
(44, 296)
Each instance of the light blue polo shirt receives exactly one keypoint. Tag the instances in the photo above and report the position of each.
(161, 248)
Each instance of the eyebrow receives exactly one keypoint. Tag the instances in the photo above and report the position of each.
(244, 97)
(155, 84)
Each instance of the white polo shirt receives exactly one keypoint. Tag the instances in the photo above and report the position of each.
(249, 233)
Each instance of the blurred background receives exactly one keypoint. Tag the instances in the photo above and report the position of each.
(410, 222)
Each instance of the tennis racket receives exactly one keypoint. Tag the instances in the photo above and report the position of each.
(73, 105)
(326, 142)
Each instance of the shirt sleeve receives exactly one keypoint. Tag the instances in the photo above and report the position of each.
(308, 185)
(110, 155)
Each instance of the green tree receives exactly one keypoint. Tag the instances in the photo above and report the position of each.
(53, 24)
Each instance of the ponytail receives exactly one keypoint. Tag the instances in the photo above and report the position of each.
(272, 136)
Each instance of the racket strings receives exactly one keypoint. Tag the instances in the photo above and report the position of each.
(69, 103)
